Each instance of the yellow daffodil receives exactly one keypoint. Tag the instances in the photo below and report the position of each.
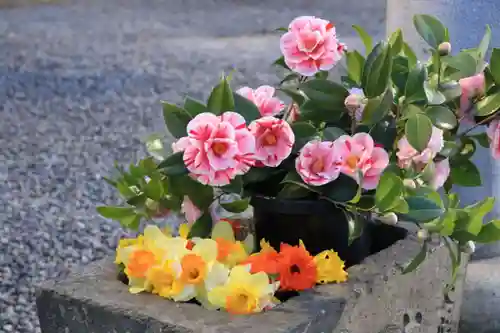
(230, 251)
(164, 280)
(244, 292)
(330, 268)
(125, 243)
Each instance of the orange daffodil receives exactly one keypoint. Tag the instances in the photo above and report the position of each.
(221, 272)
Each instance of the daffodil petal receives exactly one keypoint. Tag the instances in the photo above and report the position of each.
(207, 249)
(223, 229)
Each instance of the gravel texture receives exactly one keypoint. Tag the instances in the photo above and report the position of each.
(79, 87)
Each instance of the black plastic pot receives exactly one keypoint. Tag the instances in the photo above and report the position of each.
(318, 223)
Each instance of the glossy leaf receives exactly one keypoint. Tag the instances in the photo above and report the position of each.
(418, 130)
(176, 119)
(333, 133)
(489, 105)
(482, 139)
(377, 108)
(343, 189)
(417, 261)
(365, 38)
(237, 206)
(389, 190)
(355, 63)
(410, 54)
(489, 233)
(477, 213)
(221, 98)
(442, 117)
(415, 90)
(202, 227)
(115, 213)
(422, 209)
(377, 70)
(485, 42)
(396, 42)
(326, 94)
(194, 107)
(495, 65)
(356, 225)
(173, 165)
(430, 29)
(246, 108)
(465, 173)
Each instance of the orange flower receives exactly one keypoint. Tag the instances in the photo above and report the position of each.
(224, 247)
(296, 268)
(230, 253)
(264, 261)
(139, 263)
(194, 269)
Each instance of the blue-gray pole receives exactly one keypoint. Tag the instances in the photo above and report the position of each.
(466, 20)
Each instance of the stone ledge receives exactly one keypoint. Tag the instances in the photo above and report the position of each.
(377, 298)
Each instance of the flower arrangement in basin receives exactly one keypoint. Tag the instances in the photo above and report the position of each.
(320, 173)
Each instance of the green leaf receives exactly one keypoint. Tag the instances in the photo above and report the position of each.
(293, 187)
(447, 223)
(377, 108)
(176, 119)
(450, 90)
(465, 173)
(194, 107)
(294, 94)
(450, 148)
(430, 29)
(246, 108)
(303, 129)
(154, 189)
(322, 75)
(415, 89)
(131, 222)
(418, 130)
(463, 62)
(377, 70)
(125, 190)
(442, 117)
(417, 261)
(333, 133)
(396, 42)
(290, 77)
(400, 206)
(355, 63)
(400, 70)
(280, 62)
(343, 189)
(115, 213)
(365, 37)
(485, 43)
(256, 175)
(201, 195)
(410, 54)
(221, 99)
(237, 206)
(490, 233)
(422, 209)
(477, 212)
(433, 96)
(495, 65)
(326, 94)
(235, 186)
(389, 190)
(466, 149)
(202, 227)
(488, 105)
(173, 165)
(356, 225)
(482, 139)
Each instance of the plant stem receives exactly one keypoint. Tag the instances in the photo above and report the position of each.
(478, 124)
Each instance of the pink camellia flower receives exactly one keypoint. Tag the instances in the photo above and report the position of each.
(441, 174)
(263, 98)
(219, 148)
(355, 103)
(360, 156)
(493, 132)
(180, 145)
(311, 45)
(190, 211)
(318, 163)
(471, 86)
(274, 139)
(294, 113)
(407, 154)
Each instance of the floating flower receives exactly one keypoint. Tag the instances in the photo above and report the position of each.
(360, 157)
(311, 45)
(330, 267)
(219, 148)
(296, 268)
(191, 212)
(263, 98)
(355, 103)
(441, 174)
(472, 87)
(318, 163)
(244, 293)
(274, 139)
(407, 154)
(493, 133)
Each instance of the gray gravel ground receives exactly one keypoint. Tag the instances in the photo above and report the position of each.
(79, 87)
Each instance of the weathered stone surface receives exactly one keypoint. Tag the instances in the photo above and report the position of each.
(377, 298)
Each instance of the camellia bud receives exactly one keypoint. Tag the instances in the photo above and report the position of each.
(409, 183)
(422, 234)
(444, 49)
(389, 218)
(469, 247)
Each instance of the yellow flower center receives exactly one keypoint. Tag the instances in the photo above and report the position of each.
(194, 269)
(352, 161)
(318, 165)
(270, 140)
(162, 279)
(219, 148)
(241, 302)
